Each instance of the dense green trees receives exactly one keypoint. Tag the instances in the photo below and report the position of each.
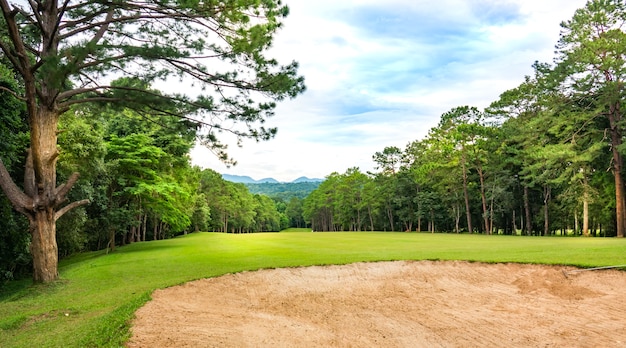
(67, 53)
(140, 184)
(14, 253)
(590, 69)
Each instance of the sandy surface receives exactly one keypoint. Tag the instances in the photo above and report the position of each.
(391, 304)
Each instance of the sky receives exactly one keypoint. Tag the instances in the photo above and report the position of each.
(380, 73)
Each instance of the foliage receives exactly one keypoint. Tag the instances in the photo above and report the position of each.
(14, 254)
(284, 191)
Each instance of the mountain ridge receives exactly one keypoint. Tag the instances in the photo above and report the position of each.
(244, 179)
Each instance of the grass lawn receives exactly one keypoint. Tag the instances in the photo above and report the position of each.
(92, 304)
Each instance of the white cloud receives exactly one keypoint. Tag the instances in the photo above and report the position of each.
(380, 73)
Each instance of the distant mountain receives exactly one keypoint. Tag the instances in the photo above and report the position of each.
(238, 178)
(248, 180)
(305, 179)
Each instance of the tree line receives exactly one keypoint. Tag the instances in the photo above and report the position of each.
(545, 158)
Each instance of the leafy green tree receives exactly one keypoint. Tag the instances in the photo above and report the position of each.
(407, 199)
(64, 54)
(388, 161)
(319, 206)
(267, 218)
(348, 202)
(517, 107)
(591, 62)
(371, 202)
(294, 212)
(457, 135)
(82, 147)
(14, 255)
(429, 171)
(201, 213)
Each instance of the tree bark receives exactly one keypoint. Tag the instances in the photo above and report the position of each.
(546, 221)
(528, 221)
(43, 227)
(43, 247)
(457, 218)
(483, 197)
(432, 218)
(514, 224)
(491, 216)
(111, 244)
(466, 194)
(616, 142)
(586, 217)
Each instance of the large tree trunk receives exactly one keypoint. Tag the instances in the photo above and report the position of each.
(42, 188)
(43, 247)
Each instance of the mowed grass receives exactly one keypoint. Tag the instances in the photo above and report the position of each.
(93, 303)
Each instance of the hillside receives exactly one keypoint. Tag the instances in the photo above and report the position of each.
(284, 191)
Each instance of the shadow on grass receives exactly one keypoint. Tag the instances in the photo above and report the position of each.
(79, 258)
(13, 287)
(149, 246)
(24, 288)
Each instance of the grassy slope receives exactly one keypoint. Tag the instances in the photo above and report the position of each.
(98, 293)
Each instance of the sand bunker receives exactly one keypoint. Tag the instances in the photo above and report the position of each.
(390, 304)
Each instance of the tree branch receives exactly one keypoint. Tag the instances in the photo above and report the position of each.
(14, 34)
(107, 21)
(20, 201)
(17, 96)
(63, 189)
(69, 207)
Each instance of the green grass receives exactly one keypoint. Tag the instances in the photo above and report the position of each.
(92, 304)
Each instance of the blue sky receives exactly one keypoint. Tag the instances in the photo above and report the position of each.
(380, 73)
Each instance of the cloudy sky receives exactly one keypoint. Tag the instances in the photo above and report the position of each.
(381, 72)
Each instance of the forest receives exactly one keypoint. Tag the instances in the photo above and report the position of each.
(544, 159)
(140, 184)
(94, 155)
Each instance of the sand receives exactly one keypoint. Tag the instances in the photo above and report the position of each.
(390, 304)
